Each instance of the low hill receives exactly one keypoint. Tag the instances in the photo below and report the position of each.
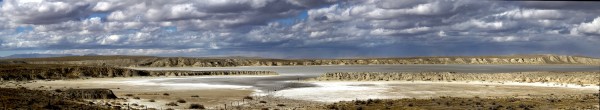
(152, 61)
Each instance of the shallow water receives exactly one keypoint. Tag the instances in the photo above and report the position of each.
(290, 75)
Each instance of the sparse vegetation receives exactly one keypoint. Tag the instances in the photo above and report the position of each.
(196, 106)
(248, 98)
(181, 101)
(17, 99)
(582, 101)
(172, 104)
(151, 100)
(166, 94)
(195, 96)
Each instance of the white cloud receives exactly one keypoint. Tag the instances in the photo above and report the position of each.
(124, 51)
(479, 24)
(509, 39)
(442, 34)
(318, 33)
(112, 39)
(533, 14)
(587, 28)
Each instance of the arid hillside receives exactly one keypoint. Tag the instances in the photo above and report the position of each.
(58, 71)
(581, 78)
(149, 61)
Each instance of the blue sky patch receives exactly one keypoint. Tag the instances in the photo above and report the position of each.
(292, 20)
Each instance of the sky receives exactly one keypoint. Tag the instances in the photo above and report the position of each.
(299, 28)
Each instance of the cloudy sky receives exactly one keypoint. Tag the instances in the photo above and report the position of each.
(299, 28)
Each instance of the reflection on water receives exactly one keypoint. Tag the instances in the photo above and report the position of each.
(290, 75)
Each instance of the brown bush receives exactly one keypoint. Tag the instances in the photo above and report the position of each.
(172, 104)
(196, 106)
(181, 101)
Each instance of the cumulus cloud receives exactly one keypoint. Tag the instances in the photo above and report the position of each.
(278, 27)
(592, 27)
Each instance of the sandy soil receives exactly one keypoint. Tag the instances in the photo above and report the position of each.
(207, 96)
(216, 96)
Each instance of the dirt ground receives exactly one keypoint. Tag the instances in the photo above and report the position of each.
(139, 96)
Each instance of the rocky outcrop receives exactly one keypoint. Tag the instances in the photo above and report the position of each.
(90, 93)
(132, 61)
(202, 73)
(31, 72)
(555, 77)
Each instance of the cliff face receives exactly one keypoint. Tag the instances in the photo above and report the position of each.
(30, 72)
(228, 62)
(555, 77)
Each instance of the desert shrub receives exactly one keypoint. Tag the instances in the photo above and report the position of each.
(181, 101)
(195, 96)
(360, 108)
(128, 95)
(136, 97)
(151, 100)
(281, 105)
(264, 109)
(166, 94)
(58, 90)
(262, 101)
(196, 106)
(134, 104)
(172, 104)
(170, 109)
(248, 97)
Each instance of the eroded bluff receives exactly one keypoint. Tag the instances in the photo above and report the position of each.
(132, 61)
(554, 77)
(31, 72)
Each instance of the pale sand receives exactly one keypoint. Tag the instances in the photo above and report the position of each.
(209, 96)
(334, 91)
